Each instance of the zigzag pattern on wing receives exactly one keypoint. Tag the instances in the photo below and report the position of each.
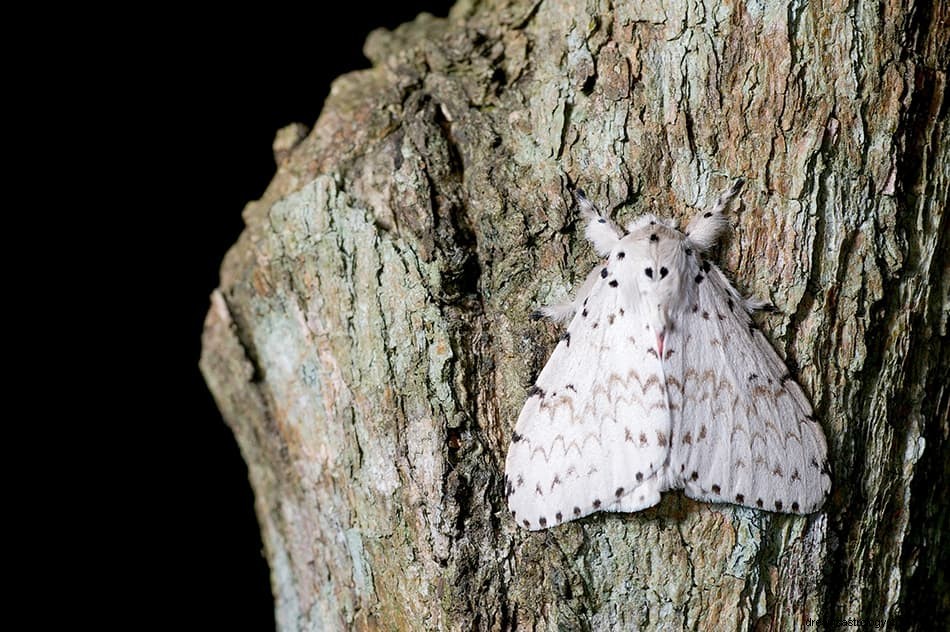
(723, 404)
(619, 392)
(615, 384)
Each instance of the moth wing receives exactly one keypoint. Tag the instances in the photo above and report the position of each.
(743, 430)
(593, 433)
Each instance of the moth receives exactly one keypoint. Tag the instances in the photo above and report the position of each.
(662, 381)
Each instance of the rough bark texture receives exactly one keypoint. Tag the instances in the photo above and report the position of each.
(370, 343)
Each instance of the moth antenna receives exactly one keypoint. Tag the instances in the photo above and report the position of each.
(602, 232)
(706, 227)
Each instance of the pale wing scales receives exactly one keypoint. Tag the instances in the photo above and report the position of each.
(593, 433)
(743, 429)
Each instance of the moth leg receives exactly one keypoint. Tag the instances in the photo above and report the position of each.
(559, 313)
(704, 229)
(726, 196)
(600, 231)
(564, 312)
(748, 303)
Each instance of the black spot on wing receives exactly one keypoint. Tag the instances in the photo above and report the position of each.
(515, 437)
(649, 272)
(699, 278)
(621, 254)
(536, 390)
(653, 237)
(663, 272)
(603, 273)
(613, 283)
(566, 337)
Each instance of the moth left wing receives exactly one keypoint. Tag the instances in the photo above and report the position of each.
(593, 434)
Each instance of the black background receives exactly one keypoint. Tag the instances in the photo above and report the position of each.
(225, 85)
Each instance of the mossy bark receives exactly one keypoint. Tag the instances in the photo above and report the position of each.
(370, 344)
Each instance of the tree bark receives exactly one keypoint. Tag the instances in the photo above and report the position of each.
(370, 344)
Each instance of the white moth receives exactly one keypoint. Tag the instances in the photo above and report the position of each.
(662, 381)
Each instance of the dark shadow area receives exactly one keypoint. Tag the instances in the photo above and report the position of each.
(227, 87)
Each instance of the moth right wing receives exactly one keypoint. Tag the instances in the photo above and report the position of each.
(743, 430)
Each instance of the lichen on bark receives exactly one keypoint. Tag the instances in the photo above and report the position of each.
(370, 344)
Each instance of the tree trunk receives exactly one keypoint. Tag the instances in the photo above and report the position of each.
(370, 344)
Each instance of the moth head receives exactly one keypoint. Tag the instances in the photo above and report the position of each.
(650, 220)
(653, 257)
